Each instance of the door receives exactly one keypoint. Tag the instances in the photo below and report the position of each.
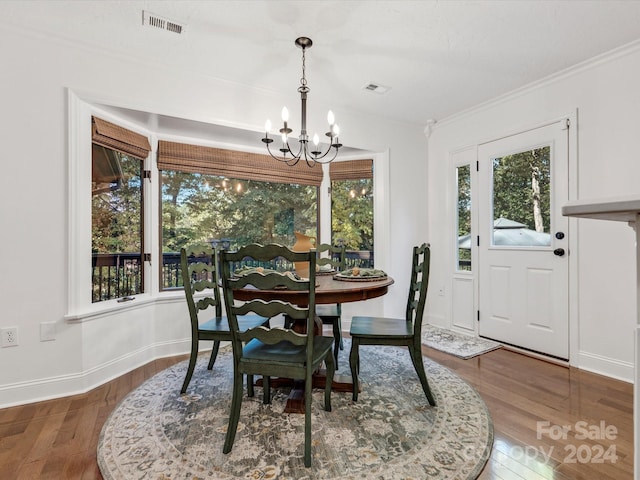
(523, 267)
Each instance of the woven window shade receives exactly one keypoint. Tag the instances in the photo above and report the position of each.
(351, 170)
(183, 157)
(119, 138)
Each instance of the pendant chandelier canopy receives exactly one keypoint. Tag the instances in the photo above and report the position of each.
(310, 153)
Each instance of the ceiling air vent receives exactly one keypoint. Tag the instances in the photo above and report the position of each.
(155, 21)
(376, 88)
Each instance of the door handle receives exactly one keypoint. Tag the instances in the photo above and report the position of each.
(559, 252)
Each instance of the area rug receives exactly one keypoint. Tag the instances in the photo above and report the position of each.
(463, 346)
(390, 433)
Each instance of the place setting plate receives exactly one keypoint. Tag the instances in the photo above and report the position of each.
(360, 275)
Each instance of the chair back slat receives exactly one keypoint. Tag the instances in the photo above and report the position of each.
(274, 335)
(336, 256)
(199, 274)
(269, 281)
(418, 287)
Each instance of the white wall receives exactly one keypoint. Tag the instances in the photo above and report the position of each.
(36, 75)
(605, 94)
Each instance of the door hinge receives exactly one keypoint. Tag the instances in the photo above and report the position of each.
(566, 124)
(146, 174)
(477, 165)
(478, 315)
(146, 257)
(478, 240)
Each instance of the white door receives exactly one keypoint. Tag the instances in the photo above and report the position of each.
(523, 267)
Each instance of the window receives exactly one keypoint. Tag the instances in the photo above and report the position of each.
(463, 177)
(522, 198)
(230, 198)
(352, 209)
(116, 211)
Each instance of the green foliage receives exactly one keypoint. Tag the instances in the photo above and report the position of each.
(513, 195)
(197, 208)
(116, 214)
(352, 213)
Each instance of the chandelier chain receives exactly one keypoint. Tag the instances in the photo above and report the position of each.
(303, 80)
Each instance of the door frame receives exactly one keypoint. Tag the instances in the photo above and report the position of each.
(572, 256)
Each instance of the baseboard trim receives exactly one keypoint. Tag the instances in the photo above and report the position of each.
(609, 367)
(65, 385)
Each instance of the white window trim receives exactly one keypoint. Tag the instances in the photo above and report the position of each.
(79, 305)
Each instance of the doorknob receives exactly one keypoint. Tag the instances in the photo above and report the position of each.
(559, 252)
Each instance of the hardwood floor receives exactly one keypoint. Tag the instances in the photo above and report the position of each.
(57, 439)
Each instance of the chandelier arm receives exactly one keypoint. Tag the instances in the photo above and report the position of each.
(320, 159)
(289, 161)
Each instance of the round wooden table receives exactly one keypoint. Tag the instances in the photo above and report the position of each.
(328, 290)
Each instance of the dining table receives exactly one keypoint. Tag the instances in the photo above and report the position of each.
(330, 289)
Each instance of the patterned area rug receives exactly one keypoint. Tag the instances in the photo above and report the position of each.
(463, 346)
(390, 433)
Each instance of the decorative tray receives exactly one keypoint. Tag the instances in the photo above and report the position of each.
(360, 275)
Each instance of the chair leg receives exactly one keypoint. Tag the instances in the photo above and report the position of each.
(416, 358)
(214, 354)
(340, 332)
(331, 368)
(266, 390)
(308, 388)
(354, 364)
(192, 363)
(250, 392)
(337, 336)
(234, 415)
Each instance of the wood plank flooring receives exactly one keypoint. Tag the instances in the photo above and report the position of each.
(57, 439)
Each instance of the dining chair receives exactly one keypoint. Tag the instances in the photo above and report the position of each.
(278, 351)
(331, 314)
(403, 331)
(202, 291)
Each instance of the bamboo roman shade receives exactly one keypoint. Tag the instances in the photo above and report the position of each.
(351, 170)
(119, 138)
(183, 157)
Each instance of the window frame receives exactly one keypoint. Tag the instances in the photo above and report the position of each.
(81, 106)
(79, 303)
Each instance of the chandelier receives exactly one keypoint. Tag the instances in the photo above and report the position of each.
(311, 154)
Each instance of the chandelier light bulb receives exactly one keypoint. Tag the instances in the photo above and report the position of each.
(267, 126)
(285, 114)
(336, 129)
(316, 139)
(284, 138)
(331, 118)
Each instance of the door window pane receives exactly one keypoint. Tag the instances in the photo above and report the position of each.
(116, 233)
(522, 199)
(463, 174)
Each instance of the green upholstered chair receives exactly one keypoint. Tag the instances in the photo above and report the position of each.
(402, 331)
(278, 351)
(202, 291)
(331, 314)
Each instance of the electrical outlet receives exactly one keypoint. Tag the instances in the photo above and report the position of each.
(9, 337)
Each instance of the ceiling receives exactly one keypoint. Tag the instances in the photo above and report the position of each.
(438, 57)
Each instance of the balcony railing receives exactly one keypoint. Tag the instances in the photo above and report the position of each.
(120, 275)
